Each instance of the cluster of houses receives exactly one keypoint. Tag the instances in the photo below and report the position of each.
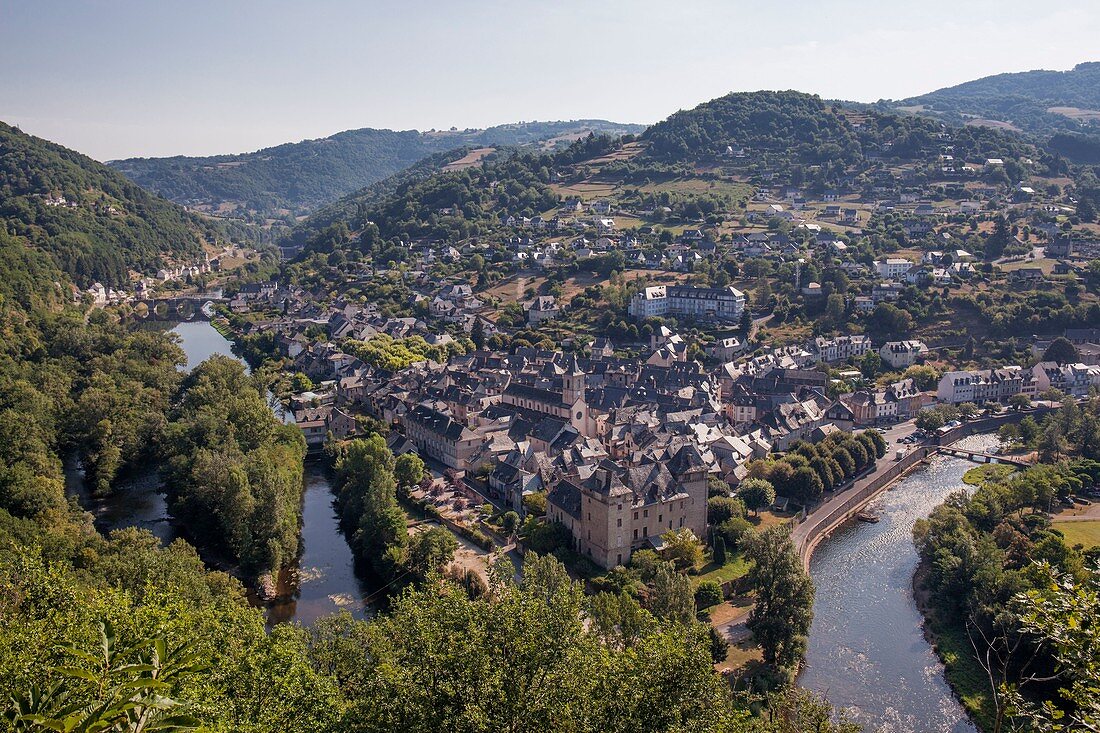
(143, 287)
(998, 385)
(623, 449)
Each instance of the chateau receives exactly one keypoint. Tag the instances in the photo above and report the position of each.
(721, 304)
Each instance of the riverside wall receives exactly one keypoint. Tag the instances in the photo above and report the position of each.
(821, 523)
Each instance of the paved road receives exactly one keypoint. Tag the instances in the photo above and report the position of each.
(892, 435)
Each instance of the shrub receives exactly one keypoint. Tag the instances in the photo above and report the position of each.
(721, 508)
(709, 593)
(535, 503)
(733, 531)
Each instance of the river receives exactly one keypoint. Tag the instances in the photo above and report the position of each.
(867, 651)
(324, 579)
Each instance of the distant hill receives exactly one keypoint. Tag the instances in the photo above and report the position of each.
(776, 130)
(692, 165)
(1040, 102)
(297, 178)
(792, 121)
(93, 222)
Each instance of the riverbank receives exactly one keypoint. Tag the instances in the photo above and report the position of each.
(867, 646)
(965, 676)
(845, 504)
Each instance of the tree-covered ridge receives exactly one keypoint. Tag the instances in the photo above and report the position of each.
(793, 128)
(1022, 99)
(757, 120)
(446, 205)
(94, 223)
(301, 177)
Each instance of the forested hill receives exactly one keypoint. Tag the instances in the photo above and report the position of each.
(755, 120)
(93, 222)
(1042, 102)
(737, 139)
(791, 128)
(297, 178)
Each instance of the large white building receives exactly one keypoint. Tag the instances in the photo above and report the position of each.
(723, 304)
(893, 267)
(993, 385)
(902, 354)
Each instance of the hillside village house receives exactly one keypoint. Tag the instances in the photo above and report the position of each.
(892, 267)
(902, 354)
(542, 308)
(840, 348)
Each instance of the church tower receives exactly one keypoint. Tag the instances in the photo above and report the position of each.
(572, 382)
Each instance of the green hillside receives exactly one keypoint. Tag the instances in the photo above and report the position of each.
(1040, 101)
(297, 178)
(93, 222)
(683, 163)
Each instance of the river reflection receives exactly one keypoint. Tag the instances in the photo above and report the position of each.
(324, 581)
(867, 649)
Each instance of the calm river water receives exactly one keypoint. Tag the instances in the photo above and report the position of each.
(324, 579)
(867, 648)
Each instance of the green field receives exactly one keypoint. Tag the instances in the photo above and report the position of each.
(732, 570)
(1086, 533)
(989, 472)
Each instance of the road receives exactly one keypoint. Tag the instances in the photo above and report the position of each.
(833, 500)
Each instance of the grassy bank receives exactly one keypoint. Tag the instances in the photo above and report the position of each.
(1085, 533)
(987, 472)
(966, 677)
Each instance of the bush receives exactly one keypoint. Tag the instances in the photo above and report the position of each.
(733, 531)
(721, 508)
(510, 521)
(475, 535)
(709, 593)
(546, 537)
(535, 503)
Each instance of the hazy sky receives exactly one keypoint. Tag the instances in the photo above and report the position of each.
(117, 78)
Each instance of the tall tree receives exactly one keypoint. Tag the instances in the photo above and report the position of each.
(781, 617)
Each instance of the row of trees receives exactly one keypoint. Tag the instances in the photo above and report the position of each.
(368, 478)
(979, 553)
(810, 469)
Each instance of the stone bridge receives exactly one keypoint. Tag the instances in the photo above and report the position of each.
(184, 308)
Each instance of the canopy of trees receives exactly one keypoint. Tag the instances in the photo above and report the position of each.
(107, 225)
(234, 471)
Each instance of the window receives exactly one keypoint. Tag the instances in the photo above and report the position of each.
(660, 517)
(635, 534)
(645, 531)
(619, 522)
(635, 515)
(645, 513)
(619, 560)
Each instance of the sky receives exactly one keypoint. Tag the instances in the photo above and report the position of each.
(122, 78)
